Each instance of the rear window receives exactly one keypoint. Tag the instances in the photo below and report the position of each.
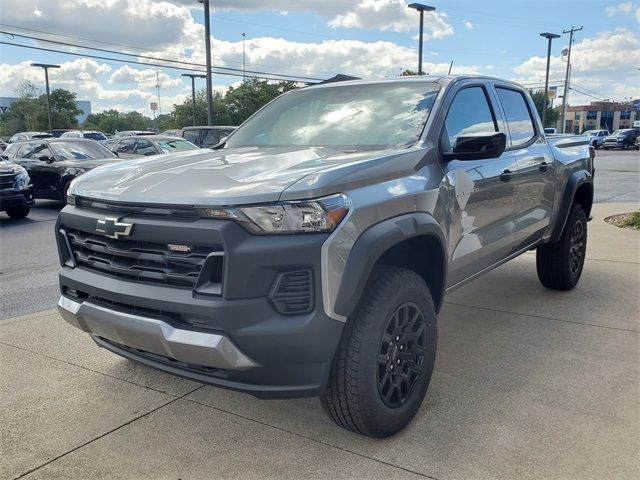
(80, 150)
(519, 118)
(168, 146)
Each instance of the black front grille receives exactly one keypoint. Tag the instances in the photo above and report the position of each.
(147, 262)
(159, 210)
(7, 180)
(292, 292)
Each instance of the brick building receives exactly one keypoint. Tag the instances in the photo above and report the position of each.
(599, 116)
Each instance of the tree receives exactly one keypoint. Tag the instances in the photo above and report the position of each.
(231, 108)
(552, 114)
(29, 112)
(111, 121)
(64, 110)
(252, 95)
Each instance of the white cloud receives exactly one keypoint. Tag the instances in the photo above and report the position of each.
(148, 78)
(391, 15)
(468, 25)
(620, 9)
(603, 64)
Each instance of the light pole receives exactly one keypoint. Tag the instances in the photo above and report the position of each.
(193, 76)
(244, 63)
(46, 67)
(421, 8)
(548, 36)
(207, 46)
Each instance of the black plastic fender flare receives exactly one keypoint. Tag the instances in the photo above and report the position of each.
(373, 243)
(576, 179)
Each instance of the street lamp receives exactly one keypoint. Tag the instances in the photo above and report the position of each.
(207, 46)
(193, 76)
(421, 8)
(548, 36)
(46, 67)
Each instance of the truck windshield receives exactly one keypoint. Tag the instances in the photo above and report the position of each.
(344, 117)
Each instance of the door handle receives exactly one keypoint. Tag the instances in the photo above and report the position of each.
(544, 166)
(506, 175)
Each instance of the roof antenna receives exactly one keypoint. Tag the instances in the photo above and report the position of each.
(450, 67)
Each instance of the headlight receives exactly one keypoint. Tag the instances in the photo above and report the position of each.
(22, 178)
(305, 216)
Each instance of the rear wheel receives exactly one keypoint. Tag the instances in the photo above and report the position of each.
(385, 359)
(560, 264)
(18, 212)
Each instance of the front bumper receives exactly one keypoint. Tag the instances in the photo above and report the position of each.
(16, 198)
(235, 338)
(152, 335)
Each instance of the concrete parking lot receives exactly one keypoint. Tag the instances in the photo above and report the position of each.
(529, 383)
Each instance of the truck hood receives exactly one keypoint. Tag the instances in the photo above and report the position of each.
(212, 177)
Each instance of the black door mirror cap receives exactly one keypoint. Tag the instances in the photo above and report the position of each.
(478, 147)
(45, 158)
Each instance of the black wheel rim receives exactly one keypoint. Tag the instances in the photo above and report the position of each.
(576, 251)
(401, 355)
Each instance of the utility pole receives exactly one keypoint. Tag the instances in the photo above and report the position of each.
(158, 87)
(566, 78)
(548, 36)
(46, 67)
(207, 48)
(244, 62)
(193, 76)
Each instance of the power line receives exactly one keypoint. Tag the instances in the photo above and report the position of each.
(148, 57)
(141, 49)
(147, 64)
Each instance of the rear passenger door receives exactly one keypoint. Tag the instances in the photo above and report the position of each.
(535, 177)
(481, 224)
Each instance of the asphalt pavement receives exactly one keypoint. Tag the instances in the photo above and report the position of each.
(29, 261)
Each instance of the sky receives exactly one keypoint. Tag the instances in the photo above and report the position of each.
(313, 40)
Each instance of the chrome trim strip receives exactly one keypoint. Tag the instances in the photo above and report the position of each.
(155, 336)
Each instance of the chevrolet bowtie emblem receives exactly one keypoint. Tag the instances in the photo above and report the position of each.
(112, 228)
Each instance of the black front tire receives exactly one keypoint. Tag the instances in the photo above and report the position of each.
(18, 212)
(385, 359)
(560, 264)
(625, 146)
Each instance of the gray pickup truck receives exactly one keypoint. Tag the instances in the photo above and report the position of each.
(310, 253)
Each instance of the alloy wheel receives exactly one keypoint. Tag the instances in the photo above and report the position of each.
(401, 355)
(576, 249)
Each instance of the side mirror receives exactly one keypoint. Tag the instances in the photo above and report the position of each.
(45, 158)
(478, 147)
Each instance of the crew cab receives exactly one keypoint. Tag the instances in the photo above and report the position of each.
(309, 253)
(623, 138)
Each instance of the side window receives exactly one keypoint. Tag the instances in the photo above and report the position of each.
(145, 147)
(126, 146)
(192, 136)
(518, 116)
(24, 150)
(469, 113)
(211, 137)
(38, 150)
